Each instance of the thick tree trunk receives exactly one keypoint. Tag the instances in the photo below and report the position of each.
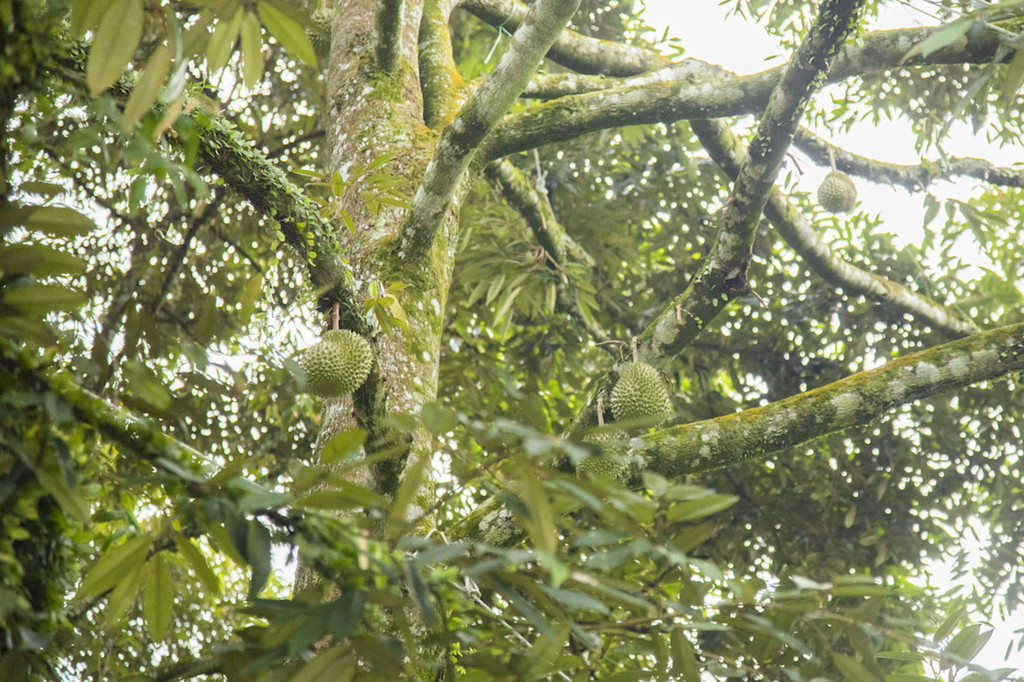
(375, 115)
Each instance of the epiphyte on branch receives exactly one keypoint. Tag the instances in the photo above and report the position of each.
(337, 364)
(837, 193)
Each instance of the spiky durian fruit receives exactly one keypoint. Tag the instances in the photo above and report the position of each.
(611, 461)
(641, 394)
(337, 364)
(320, 35)
(837, 193)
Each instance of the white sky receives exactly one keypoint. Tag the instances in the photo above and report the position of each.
(703, 28)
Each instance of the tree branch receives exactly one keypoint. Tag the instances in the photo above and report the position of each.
(914, 177)
(486, 105)
(439, 79)
(580, 53)
(722, 276)
(537, 212)
(553, 85)
(268, 190)
(389, 34)
(726, 151)
(853, 401)
(756, 433)
(558, 246)
(677, 95)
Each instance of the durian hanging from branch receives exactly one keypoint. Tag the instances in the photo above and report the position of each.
(837, 193)
(338, 363)
(613, 446)
(640, 396)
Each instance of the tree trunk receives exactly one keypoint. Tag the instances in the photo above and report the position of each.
(374, 116)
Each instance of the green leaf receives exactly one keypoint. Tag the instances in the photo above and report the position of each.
(332, 664)
(411, 479)
(699, 508)
(945, 35)
(438, 419)
(45, 189)
(113, 565)
(146, 386)
(39, 260)
(287, 30)
(966, 644)
(854, 670)
(428, 613)
(540, 519)
(57, 221)
(343, 446)
(575, 599)
(198, 562)
(147, 88)
(123, 596)
(252, 50)
(39, 299)
(952, 620)
(222, 42)
(158, 597)
(353, 497)
(116, 38)
(258, 556)
(70, 500)
(86, 15)
(1013, 80)
(684, 657)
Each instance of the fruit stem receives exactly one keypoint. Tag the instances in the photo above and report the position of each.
(636, 349)
(336, 316)
(600, 410)
(831, 156)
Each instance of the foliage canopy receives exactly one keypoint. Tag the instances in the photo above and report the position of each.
(510, 210)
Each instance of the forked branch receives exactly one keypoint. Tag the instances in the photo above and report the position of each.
(727, 152)
(488, 103)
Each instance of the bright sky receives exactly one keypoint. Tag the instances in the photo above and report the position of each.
(707, 33)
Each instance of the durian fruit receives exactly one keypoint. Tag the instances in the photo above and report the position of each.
(611, 461)
(320, 35)
(337, 364)
(837, 193)
(640, 394)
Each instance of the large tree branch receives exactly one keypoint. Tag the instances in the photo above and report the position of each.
(853, 401)
(914, 177)
(253, 176)
(439, 79)
(727, 152)
(723, 273)
(268, 190)
(477, 117)
(389, 34)
(580, 53)
(674, 93)
(759, 432)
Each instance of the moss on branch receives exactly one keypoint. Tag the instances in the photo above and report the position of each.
(247, 171)
(853, 401)
(572, 50)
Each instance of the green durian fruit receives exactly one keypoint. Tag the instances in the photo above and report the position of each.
(641, 394)
(837, 193)
(611, 461)
(320, 35)
(337, 364)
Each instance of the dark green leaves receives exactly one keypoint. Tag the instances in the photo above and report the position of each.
(118, 33)
(286, 25)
